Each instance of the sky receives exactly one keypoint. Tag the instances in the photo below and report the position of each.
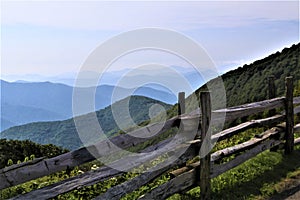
(52, 38)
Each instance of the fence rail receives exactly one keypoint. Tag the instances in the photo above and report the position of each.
(280, 133)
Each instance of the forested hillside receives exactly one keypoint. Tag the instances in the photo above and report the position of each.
(26, 102)
(250, 82)
(14, 151)
(64, 133)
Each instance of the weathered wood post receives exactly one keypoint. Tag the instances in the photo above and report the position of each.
(271, 92)
(181, 103)
(205, 186)
(271, 95)
(289, 111)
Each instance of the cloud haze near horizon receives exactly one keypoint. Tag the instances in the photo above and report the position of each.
(51, 38)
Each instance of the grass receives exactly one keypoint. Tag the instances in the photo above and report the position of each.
(270, 174)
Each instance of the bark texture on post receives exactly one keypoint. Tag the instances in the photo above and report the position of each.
(205, 185)
(272, 93)
(181, 103)
(289, 111)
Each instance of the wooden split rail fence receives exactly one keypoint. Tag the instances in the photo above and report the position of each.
(187, 176)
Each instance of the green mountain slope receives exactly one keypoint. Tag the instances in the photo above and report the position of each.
(64, 133)
(250, 82)
(26, 102)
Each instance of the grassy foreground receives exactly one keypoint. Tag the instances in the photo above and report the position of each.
(267, 175)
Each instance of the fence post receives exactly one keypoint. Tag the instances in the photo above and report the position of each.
(272, 92)
(181, 103)
(289, 111)
(205, 186)
(271, 95)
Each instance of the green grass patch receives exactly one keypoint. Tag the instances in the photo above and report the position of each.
(258, 178)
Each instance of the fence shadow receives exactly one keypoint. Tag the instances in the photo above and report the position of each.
(288, 164)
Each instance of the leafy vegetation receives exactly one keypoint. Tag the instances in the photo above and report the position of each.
(250, 82)
(14, 151)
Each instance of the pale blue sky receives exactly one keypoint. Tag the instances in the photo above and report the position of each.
(55, 37)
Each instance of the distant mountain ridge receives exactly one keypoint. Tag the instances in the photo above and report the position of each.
(107, 78)
(23, 103)
(22, 114)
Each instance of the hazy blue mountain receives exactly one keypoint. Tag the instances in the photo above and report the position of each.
(23, 114)
(108, 77)
(64, 133)
(23, 102)
(6, 123)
